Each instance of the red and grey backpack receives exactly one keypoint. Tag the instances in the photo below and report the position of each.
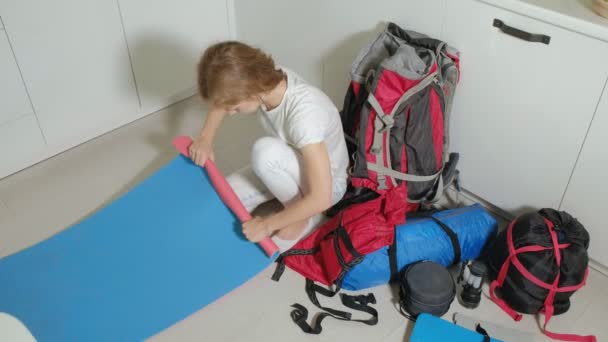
(395, 119)
(537, 263)
(396, 114)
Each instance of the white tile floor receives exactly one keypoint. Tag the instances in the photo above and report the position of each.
(44, 199)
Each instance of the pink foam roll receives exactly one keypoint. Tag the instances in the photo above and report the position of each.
(225, 192)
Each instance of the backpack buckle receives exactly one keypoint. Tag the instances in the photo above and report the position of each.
(382, 182)
(388, 122)
(364, 299)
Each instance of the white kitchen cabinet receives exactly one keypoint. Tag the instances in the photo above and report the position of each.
(166, 40)
(13, 98)
(587, 194)
(75, 65)
(20, 139)
(522, 109)
(319, 39)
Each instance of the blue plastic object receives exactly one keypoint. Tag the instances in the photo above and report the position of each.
(423, 239)
(154, 256)
(429, 328)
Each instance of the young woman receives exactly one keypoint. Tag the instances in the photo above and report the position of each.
(302, 161)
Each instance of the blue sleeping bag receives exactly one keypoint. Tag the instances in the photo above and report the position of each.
(423, 239)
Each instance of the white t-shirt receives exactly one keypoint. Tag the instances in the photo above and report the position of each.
(307, 116)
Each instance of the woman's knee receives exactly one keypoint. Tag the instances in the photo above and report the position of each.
(293, 232)
(267, 154)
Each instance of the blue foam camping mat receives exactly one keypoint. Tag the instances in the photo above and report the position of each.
(429, 328)
(151, 258)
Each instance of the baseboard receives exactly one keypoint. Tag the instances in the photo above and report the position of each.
(161, 104)
(467, 198)
(598, 267)
(55, 149)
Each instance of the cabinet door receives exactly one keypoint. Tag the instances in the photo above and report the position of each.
(20, 142)
(166, 39)
(75, 65)
(587, 195)
(522, 109)
(13, 98)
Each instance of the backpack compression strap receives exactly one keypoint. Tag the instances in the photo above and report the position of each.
(392, 249)
(553, 288)
(278, 271)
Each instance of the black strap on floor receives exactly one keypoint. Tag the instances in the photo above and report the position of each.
(312, 289)
(359, 303)
(483, 332)
(453, 238)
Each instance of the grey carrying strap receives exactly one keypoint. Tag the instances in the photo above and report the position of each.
(386, 120)
(438, 176)
(382, 123)
(438, 193)
(450, 174)
(436, 196)
(402, 176)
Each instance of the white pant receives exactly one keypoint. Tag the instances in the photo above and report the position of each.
(275, 172)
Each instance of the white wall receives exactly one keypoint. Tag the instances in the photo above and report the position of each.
(319, 39)
(73, 70)
(166, 43)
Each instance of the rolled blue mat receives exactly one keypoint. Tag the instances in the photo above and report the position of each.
(429, 328)
(422, 239)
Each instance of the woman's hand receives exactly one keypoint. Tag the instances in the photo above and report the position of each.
(200, 151)
(202, 148)
(256, 229)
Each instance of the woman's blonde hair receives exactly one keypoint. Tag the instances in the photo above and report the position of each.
(230, 72)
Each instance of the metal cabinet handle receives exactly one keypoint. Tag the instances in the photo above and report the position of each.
(515, 32)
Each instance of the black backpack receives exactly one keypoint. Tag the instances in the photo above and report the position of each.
(537, 263)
